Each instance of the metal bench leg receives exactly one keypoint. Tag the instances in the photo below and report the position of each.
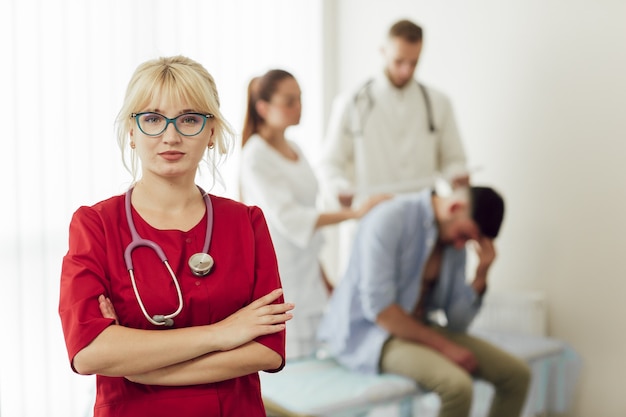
(406, 407)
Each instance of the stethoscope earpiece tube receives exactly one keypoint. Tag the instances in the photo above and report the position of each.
(200, 263)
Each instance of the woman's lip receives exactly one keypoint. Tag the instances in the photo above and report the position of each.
(171, 155)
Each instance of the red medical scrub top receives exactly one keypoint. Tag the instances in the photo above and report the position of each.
(245, 269)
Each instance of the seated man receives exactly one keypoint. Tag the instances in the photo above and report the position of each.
(407, 267)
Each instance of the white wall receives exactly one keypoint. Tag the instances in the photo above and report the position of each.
(539, 90)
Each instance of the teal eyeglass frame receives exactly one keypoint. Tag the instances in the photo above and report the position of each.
(172, 120)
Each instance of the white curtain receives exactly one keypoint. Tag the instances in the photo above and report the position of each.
(63, 72)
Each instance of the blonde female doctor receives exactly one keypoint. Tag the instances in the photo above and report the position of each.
(164, 336)
(276, 176)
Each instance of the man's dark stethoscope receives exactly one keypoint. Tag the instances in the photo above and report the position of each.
(200, 263)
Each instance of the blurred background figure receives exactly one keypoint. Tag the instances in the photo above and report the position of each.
(276, 176)
(392, 134)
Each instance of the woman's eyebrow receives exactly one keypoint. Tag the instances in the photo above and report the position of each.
(157, 110)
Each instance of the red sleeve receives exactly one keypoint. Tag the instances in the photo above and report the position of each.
(83, 279)
(267, 278)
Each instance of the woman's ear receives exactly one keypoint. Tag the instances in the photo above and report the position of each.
(261, 108)
(211, 142)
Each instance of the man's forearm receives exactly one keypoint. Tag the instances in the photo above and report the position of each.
(402, 325)
(480, 281)
(486, 251)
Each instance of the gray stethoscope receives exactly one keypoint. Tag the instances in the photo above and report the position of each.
(200, 263)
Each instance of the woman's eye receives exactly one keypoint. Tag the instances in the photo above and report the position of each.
(152, 118)
(189, 119)
(293, 101)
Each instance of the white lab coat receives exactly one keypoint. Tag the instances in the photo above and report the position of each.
(286, 191)
(380, 141)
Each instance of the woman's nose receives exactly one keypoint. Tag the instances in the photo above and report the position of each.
(171, 135)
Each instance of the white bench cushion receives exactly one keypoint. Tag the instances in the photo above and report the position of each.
(323, 387)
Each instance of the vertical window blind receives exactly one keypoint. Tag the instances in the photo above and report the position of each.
(64, 70)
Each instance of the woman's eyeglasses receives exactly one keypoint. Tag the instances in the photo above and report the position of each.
(154, 124)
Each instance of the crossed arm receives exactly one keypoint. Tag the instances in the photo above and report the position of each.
(187, 356)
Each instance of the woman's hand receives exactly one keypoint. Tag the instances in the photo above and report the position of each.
(370, 203)
(106, 308)
(259, 318)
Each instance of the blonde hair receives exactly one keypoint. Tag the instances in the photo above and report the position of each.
(180, 79)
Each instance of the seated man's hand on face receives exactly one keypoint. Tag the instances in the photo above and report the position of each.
(486, 251)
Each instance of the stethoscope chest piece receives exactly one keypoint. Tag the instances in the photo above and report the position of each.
(201, 264)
